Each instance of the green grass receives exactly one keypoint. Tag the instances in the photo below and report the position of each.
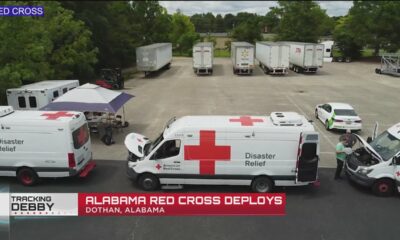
(222, 53)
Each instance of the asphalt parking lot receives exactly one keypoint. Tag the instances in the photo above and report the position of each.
(335, 210)
(178, 92)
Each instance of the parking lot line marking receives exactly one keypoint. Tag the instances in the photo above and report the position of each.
(302, 112)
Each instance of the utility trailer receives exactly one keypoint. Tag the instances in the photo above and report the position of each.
(305, 57)
(390, 64)
(203, 57)
(242, 55)
(37, 95)
(154, 57)
(273, 57)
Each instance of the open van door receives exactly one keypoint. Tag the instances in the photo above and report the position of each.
(396, 163)
(307, 157)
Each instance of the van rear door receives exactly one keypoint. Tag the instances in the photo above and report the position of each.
(207, 57)
(81, 148)
(307, 157)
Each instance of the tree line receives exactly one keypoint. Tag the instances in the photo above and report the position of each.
(75, 39)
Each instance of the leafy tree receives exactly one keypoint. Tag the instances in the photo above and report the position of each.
(37, 48)
(247, 31)
(271, 20)
(375, 24)
(229, 22)
(302, 21)
(183, 34)
(345, 39)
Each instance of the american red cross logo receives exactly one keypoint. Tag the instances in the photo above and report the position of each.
(207, 153)
(246, 120)
(158, 166)
(398, 173)
(54, 116)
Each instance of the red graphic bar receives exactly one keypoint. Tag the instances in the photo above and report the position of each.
(181, 204)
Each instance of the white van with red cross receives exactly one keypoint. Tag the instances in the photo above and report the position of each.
(258, 151)
(40, 144)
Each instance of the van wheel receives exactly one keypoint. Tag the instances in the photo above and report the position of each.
(149, 182)
(27, 176)
(262, 185)
(383, 187)
(316, 113)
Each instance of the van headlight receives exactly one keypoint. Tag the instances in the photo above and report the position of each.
(364, 171)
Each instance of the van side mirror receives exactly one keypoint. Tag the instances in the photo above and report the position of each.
(369, 139)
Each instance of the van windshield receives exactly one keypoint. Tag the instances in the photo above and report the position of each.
(386, 145)
(151, 145)
(80, 136)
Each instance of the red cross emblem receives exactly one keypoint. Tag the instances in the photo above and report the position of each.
(54, 116)
(246, 120)
(207, 153)
(158, 166)
(398, 173)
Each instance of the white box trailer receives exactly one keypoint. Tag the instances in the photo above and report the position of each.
(305, 57)
(43, 144)
(153, 57)
(258, 151)
(203, 58)
(242, 56)
(37, 95)
(273, 57)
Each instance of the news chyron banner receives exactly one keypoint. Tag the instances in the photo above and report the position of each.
(143, 204)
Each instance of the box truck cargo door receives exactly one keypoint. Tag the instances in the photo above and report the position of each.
(307, 157)
(207, 57)
(309, 55)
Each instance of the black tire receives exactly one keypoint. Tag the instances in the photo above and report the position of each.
(327, 125)
(27, 176)
(122, 84)
(383, 187)
(378, 71)
(316, 113)
(125, 124)
(262, 185)
(149, 182)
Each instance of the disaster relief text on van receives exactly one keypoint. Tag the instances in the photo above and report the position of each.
(36, 144)
(258, 151)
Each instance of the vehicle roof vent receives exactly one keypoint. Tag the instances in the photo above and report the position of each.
(286, 119)
(5, 110)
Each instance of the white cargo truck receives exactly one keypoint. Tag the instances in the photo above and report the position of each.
(376, 164)
(305, 57)
(258, 151)
(242, 55)
(203, 58)
(37, 95)
(43, 144)
(273, 57)
(154, 57)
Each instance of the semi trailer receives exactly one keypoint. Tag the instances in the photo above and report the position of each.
(242, 55)
(154, 57)
(305, 57)
(273, 57)
(203, 58)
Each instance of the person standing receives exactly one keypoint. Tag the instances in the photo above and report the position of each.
(340, 157)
